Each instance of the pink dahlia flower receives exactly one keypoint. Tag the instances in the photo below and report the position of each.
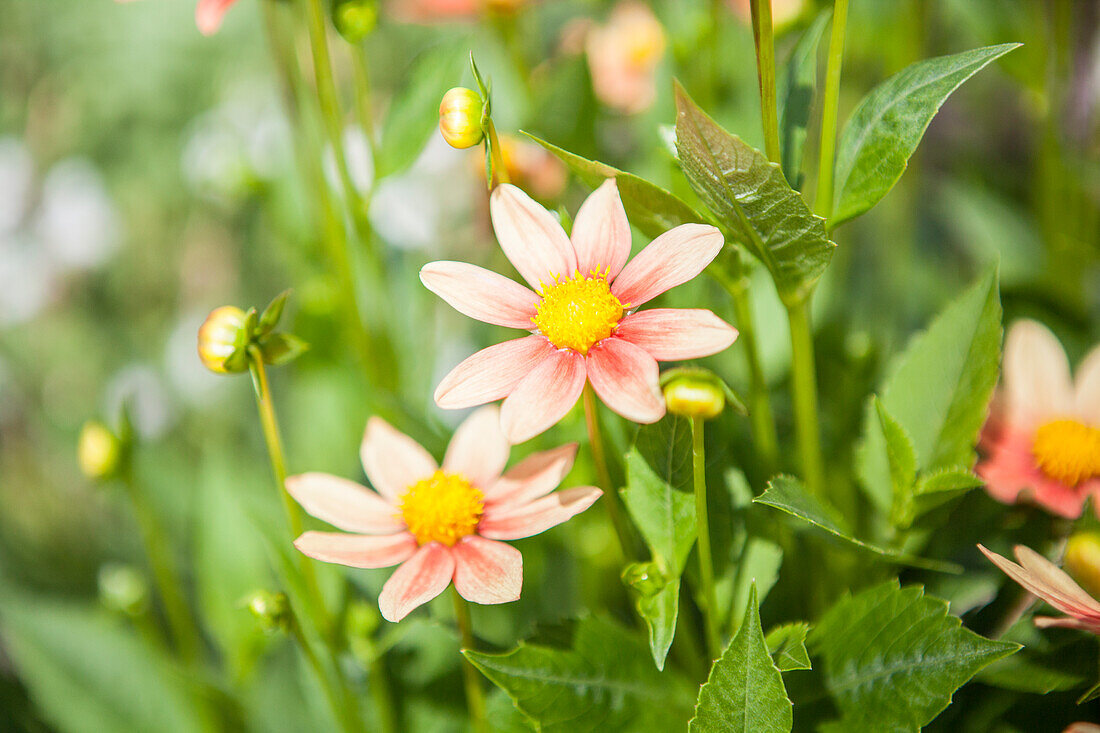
(581, 314)
(440, 524)
(1046, 580)
(623, 57)
(1042, 442)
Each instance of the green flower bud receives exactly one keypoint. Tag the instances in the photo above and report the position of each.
(123, 589)
(692, 397)
(272, 610)
(99, 451)
(1082, 560)
(223, 337)
(460, 117)
(355, 19)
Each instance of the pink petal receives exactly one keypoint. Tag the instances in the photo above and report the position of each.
(534, 476)
(625, 378)
(1012, 475)
(544, 396)
(356, 550)
(420, 579)
(1034, 585)
(487, 572)
(1056, 578)
(601, 232)
(1046, 622)
(1088, 388)
(478, 450)
(491, 373)
(531, 237)
(671, 259)
(512, 523)
(209, 14)
(1036, 374)
(344, 504)
(393, 461)
(481, 294)
(672, 334)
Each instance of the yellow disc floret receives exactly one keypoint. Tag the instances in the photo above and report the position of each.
(1067, 451)
(578, 312)
(445, 507)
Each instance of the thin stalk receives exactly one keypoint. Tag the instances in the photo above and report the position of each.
(804, 394)
(706, 562)
(185, 632)
(611, 498)
(344, 714)
(475, 695)
(765, 72)
(500, 171)
(361, 75)
(823, 205)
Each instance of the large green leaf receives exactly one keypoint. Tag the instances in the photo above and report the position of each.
(663, 514)
(938, 391)
(796, 96)
(649, 207)
(744, 692)
(752, 199)
(604, 682)
(787, 645)
(888, 125)
(787, 494)
(893, 657)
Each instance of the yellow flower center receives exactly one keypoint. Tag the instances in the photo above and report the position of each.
(578, 312)
(1067, 451)
(445, 507)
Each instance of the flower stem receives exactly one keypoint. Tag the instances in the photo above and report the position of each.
(500, 171)
(823, 205)
(706, 562)
(603, 475)
(346, 717)
(765, 72)
(804, 395)
(475, 695)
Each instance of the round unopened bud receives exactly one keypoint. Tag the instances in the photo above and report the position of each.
(460, 117)
(272, 610)
(123, 589)
(694, 397)
(1082, 560)
(355, 19)
(220, 336)
(98, 451)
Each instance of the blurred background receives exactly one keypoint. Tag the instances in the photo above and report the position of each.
(149, 174)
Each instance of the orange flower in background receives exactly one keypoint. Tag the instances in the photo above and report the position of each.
(1042, 443)
(1046, 580)
(623, 57)
(581, 312)
(530, 166)
(442, 525)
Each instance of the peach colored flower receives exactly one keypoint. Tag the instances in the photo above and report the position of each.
(1046, 580)
(422, 11)
(440, 524)
(581, 312)
(623, 57)
(530, 166)
(208, 14)
(1042, 442)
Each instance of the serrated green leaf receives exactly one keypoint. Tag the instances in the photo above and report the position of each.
(744, 691)
(892, 657)
(752, 199)
(938, 390)
(604, 682)
(663, 514)
(657, 599)
(900, 454)
(951, 479)
(787, 645)
(796, 97)
(649, 207)
(787, 494)
(888, 124)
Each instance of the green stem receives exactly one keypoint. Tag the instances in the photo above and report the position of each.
(706, 562)
(611, 498)
(475, 695)
(185, 632)
(804, 395)
(765, 73)
(361, 74)
(500, 171)
(345, 716)
(823, 205)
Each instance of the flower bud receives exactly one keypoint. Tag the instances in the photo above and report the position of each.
(694, 396)
(221, 337)
(99, 451)
(1082, 560)
(460, 117)
(355, 19)
(272, 610)
(123, 589)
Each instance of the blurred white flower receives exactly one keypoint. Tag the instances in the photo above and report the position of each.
(144, 393)
(77, 222)
(28, 279)
(16, 179)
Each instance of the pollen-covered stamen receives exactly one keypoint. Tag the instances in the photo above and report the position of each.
(445, 507)
(1067, 451)
(578, 312)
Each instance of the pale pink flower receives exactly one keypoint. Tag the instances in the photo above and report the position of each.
(623, 57)
(208, 14)
(581, 313)
(423, 11)
(1042, 442)
(440, 524)
(1044, 579)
